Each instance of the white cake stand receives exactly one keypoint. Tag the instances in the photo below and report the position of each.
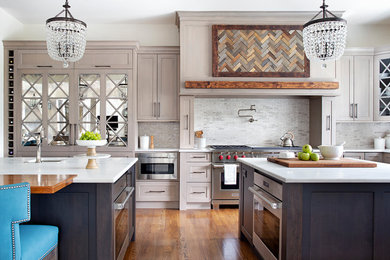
(91, 152)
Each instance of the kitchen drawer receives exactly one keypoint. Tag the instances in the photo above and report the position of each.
(198, 192)
(106, 59)
(157, 191)
(37, 59)
(118, 186)
(376, 157)
(198, 157)
(386, 157)
(354, 155)
(199, 172)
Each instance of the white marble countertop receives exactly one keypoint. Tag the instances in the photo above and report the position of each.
(380, 174)
(366, 150)
(110, 170)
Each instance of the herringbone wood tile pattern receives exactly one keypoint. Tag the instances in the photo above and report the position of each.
(260, 51)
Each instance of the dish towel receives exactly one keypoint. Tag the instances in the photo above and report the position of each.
(230, 171)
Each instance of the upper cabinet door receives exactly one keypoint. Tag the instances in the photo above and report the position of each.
(344, 102)
(382, 87)
(167, 87)
(363, 88)
(106, 59)
(147, 87)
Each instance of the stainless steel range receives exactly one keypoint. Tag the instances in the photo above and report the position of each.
(227, 193)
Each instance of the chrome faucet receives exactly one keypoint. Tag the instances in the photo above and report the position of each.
(41, 136)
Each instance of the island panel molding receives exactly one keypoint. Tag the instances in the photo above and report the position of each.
(261, 85)
(259, 51)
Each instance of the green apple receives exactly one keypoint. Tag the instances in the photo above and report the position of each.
(305, 156)
(307, 148)
(300, 155)
(314, 157)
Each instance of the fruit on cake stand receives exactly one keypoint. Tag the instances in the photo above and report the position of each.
(91, 140)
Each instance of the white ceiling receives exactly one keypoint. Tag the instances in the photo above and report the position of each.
(163, 11)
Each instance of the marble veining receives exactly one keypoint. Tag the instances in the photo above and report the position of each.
(360, 135)
(166, 134)
(218, 119)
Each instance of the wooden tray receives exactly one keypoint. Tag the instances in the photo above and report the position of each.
(342, 163)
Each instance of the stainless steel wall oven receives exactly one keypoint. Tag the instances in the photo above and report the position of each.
(267, 217)
(157, 166)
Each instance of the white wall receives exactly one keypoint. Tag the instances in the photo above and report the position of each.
(146, 34)
(8, 27)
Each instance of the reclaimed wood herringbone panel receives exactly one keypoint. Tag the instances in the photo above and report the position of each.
(262, 52)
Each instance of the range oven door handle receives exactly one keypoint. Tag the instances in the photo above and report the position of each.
(121, 205)
(221, 165)
(274, 204)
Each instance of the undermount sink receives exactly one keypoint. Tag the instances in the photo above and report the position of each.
(45, 161)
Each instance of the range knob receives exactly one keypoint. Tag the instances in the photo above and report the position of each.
(243, 156)
(228, 157)
(235, 157)
(220, 157)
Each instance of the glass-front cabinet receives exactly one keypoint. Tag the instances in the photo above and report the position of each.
(66, 104)
(382, 87)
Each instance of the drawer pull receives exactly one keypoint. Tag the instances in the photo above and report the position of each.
(44, 66)
(198, 192)
(199, 157)
(198, 172)
(156, 191)
(102, 66)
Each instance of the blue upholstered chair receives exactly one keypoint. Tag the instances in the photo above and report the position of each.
(23, 242)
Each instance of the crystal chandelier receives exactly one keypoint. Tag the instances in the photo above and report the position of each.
(66, 37)
(324, 38)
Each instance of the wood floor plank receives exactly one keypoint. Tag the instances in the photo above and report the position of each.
(191, 234)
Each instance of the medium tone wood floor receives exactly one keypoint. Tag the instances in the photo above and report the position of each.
(191, 234)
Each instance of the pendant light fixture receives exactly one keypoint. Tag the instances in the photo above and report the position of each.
(66, 37)
(324, 37)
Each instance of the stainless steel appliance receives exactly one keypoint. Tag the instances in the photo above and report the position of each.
(228, 154)
(267, 217)
(157, 166)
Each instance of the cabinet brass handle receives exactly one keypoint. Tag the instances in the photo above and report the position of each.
(102, 66)
(44, 66)
(198, 192)
(158, 109)
(199, 157)
(156, 191)
(198, 172)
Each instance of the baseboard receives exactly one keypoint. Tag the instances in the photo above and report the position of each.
(157, 205)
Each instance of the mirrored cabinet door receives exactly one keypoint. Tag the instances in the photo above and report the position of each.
(31, 108)
(58, 130)
(382, 87)
(89, 110)
(116, 109)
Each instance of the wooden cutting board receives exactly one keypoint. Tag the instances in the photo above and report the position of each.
(342, 163)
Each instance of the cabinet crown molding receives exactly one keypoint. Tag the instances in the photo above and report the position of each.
(247, 17)
(91, 45)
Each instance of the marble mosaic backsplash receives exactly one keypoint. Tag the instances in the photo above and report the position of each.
(360, 135)
(218, 119)
(166, 134)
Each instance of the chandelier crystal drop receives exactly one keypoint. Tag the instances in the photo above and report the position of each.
(324, 38)
(65, 37)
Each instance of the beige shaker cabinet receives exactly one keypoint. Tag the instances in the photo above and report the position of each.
(355, 103)
(187, 121)
(158, 87)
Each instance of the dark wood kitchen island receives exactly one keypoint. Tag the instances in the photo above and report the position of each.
(322, 213)
(95, 214)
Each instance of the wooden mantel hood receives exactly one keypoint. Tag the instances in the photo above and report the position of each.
(261, 85)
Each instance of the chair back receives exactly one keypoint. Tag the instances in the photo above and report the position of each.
(14, 209)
